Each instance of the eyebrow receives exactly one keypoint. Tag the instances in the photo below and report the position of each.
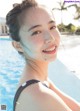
(34, 27)
(52, 21)
(40, 25)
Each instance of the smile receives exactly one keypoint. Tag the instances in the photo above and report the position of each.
(51, 50)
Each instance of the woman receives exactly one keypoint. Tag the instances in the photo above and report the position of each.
(35, 36)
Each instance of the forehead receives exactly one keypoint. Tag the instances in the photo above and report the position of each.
(37, 15)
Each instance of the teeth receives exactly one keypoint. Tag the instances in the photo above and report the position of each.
(51, 49)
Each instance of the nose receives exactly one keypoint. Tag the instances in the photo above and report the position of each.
(49, 37)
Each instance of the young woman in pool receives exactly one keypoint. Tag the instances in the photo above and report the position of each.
(35, 35)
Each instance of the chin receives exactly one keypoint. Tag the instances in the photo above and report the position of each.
(51, 59)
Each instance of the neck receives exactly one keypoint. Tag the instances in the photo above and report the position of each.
(36, 70)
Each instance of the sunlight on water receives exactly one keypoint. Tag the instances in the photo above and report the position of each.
(11, 64)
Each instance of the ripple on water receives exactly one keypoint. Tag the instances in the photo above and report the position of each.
(11, 65)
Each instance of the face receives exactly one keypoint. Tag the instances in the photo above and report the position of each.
(39, 35)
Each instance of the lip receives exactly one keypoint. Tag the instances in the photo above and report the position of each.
(50, 52)
(50, 47)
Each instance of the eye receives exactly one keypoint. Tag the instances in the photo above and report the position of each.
(36, 32)
(52, 27)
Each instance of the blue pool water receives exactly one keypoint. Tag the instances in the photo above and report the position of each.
(11, 64)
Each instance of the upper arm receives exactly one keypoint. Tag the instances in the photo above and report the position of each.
(71, 103)
(41, 99)
(50, 101)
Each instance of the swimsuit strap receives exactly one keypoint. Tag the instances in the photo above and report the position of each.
(21, 88)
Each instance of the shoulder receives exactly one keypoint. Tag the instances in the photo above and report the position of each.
(40, 98)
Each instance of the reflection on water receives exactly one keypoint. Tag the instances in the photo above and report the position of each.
(11, 64)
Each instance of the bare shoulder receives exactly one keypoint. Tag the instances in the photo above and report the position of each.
(40, 98)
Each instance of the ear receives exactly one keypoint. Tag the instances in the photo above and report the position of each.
(17, 46)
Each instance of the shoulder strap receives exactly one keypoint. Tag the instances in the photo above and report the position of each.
(20, 89)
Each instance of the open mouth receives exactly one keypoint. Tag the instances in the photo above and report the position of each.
(51, 50)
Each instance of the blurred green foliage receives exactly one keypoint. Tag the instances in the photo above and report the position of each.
(77, 31)
(70, 28)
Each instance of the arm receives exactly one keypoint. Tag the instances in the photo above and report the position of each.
(72, 104)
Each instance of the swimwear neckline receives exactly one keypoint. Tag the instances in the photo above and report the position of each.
(23, 84)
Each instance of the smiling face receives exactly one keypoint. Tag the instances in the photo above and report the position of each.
(39, 35)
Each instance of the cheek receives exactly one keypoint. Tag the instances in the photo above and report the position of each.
(37, 41)
(57, 36)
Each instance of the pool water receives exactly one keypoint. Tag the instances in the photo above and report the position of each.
(11, 64)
